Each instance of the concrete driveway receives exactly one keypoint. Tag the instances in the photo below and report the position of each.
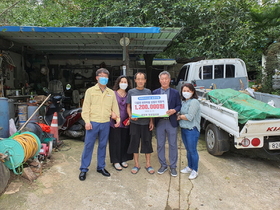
(232, 181)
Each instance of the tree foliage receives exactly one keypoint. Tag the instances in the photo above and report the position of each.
(267, 19)
(55, 13)
(212, 29)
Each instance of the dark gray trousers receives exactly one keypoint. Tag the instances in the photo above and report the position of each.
(165, 130)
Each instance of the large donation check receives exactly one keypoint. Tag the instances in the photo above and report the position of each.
(149, 106)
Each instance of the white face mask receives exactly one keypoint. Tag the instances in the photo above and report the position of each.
(187, 95)
(123, 86)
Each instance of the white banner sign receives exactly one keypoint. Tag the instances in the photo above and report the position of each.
(149, 106)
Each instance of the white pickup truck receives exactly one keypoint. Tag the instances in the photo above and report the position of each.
(220, 73)
(221, 124)
(222, 128)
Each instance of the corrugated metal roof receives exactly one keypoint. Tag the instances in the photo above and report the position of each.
(87, 40)
(158, 62)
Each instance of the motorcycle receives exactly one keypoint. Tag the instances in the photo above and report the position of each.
(70, 122)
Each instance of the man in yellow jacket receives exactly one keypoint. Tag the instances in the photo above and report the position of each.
(100, 101)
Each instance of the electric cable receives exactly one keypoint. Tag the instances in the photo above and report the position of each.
(28, 143)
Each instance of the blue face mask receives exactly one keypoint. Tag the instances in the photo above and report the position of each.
(103, 80)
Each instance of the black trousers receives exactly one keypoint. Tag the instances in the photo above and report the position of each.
(140, 133)
(119, 140)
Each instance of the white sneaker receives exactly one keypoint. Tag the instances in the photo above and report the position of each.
(193, 174)
(186, 170)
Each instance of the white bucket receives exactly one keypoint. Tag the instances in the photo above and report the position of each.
(22, 109)
(22, 114)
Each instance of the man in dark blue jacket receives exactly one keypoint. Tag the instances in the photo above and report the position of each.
(167, 126)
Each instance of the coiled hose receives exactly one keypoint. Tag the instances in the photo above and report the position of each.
(28, 143)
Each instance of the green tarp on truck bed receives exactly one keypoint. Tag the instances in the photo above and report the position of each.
(247, 107)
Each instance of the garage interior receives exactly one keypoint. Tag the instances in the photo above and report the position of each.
(33, 56)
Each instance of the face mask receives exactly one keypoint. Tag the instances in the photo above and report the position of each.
(123, 86)
(187, 95)
(103, 80)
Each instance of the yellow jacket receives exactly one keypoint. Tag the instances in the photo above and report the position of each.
(98, 106)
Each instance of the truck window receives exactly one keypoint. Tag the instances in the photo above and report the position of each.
(230, 70)
(183, 74)
(218, 71)
(207, 72)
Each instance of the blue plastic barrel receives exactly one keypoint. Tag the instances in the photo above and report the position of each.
(11, 103)
(4, 118)
(30, 111)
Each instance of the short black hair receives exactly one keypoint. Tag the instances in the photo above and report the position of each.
(191, 87)
(135, 75)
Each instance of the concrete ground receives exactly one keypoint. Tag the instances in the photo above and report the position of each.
(232, 181)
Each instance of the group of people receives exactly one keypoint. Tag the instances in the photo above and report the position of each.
(108, 115)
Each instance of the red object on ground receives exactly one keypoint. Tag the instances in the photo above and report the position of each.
(45, 128)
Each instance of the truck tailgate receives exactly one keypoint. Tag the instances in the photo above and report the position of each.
(220, 116)
(267, 127)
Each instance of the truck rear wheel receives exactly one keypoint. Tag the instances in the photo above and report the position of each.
(217, 141)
